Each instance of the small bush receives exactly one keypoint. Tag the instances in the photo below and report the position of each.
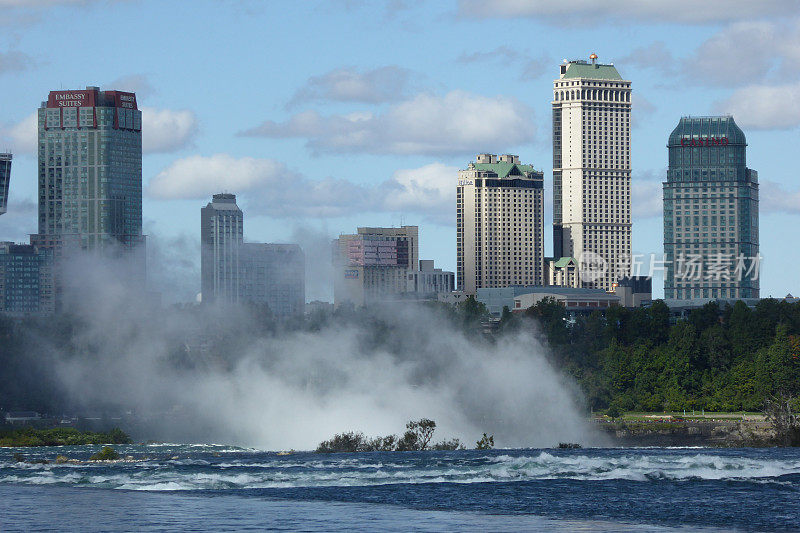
(343, 442)
(448, 445)
(106, 454)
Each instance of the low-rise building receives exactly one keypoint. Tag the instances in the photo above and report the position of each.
(382, 264)
(429, 281)
(572, 299)
(452, 298)
(21, 417)
(634, 291)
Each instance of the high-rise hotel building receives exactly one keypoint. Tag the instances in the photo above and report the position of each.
(592, 170)
(221, 238)
(90, 171)
(500, 224)
(5, 179)
(710, 212)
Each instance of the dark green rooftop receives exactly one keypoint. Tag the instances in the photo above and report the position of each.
(702, 127)
(504, 169)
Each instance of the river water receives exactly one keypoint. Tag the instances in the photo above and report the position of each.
(212, 488)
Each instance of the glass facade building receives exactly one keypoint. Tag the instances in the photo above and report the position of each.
(26, 281)
(710, 212)
(90, 170)
(5, 180)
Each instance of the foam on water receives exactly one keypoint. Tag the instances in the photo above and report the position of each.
(202, 468)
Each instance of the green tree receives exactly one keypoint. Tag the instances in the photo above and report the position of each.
(485, 443)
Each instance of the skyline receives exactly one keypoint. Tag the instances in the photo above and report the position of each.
(350, 133)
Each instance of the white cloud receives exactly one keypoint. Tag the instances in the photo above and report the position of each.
(268, 187)
(532, 67)
(165, 130)
(39, 3)
(20, 220)
(385, 84)
(501, 54)
(738, 54)
(592, 11)
(14, 61)
(655, 55)
(429, 190)
(22, 136)
(646, 195)
(764, 107)
(774, 198)
(135, 83)
(641, 109)
(197, 177)
(455, 123)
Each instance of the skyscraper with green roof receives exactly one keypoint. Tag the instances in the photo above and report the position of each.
(592, 171)
(499, 224)
(710, 212)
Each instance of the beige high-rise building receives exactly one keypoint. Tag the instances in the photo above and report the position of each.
(500, 224)
(592, 171)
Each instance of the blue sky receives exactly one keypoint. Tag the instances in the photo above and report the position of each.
(323, 116)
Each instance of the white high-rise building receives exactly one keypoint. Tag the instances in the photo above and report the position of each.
(499, 224)
(592, 171)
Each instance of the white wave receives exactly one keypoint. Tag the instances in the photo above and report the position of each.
(266, 471)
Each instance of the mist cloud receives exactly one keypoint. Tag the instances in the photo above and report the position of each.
(294, 388)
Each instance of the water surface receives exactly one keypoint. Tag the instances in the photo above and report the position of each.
(206, 487)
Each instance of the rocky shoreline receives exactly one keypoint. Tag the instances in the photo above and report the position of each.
(716, 433)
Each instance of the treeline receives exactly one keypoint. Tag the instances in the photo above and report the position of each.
(29, 436)
(729, 359)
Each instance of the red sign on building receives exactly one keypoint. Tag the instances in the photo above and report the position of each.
(124, 100)
(705, 141)
(71, 99)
